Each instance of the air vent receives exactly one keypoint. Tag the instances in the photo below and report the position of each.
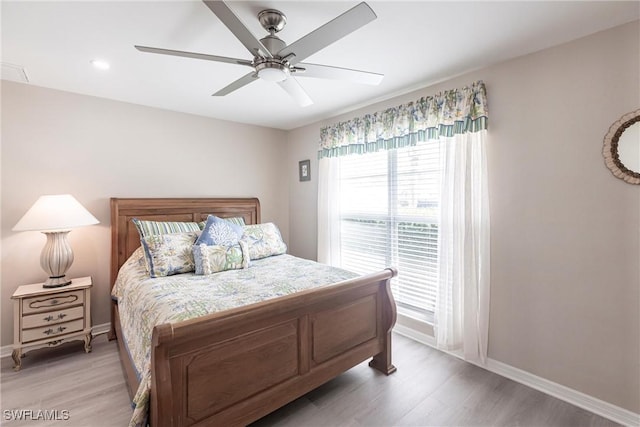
(13, 72)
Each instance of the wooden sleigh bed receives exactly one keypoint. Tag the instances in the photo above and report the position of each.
(284, 347)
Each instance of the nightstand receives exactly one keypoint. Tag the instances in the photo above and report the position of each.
(47, 317)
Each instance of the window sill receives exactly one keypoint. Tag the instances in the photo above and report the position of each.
(419, 316)
(414, 324)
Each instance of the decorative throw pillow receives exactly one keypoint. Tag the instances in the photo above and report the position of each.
(218, 231)
(212, 259)
(149, 228)
(168, 254)
(263, 240)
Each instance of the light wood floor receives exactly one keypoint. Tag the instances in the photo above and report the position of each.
(430, 388)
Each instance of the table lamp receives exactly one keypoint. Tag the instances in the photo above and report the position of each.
(55, 216)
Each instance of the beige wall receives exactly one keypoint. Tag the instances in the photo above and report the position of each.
(565, 257)
(57, 142)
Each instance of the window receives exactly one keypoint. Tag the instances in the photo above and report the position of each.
(389, 217)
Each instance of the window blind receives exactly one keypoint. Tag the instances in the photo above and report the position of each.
(388, 216)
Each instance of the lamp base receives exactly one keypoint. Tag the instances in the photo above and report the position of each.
(56, 282)
(56, 258)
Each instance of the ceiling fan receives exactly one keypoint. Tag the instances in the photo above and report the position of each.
(274, 60)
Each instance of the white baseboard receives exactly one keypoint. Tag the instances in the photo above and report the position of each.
(577, 398)
(5, 351)
(101, 329)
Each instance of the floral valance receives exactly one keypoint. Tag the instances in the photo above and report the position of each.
(444, 114)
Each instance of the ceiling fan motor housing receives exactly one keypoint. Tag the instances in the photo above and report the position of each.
(273, 43)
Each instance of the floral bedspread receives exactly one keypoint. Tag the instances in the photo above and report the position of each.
(144, 302)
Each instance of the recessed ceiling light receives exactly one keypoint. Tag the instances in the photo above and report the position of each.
(100, 64)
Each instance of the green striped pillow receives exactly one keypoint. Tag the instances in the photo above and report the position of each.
(153, 228)
(238, 220)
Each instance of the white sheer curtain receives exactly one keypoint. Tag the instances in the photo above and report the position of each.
(329, 211)
(458, 119)
(462, 302)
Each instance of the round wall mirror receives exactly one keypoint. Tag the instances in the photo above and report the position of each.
(622, 148)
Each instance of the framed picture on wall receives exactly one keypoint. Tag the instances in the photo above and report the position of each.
(304, 170)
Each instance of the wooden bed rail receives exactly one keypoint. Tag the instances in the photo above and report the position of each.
(236, 366)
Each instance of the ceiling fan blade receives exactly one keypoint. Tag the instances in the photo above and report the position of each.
(237, 27)
(193, 55)
(242, 81)
(293, 88)
(330, 32)
(337, 73)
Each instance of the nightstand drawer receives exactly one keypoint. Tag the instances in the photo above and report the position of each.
(52, 330)
(46, 302)
(52, 317)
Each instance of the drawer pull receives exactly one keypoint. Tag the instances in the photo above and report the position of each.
(50, 318)
(51, 331)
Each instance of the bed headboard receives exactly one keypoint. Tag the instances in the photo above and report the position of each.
(124, 235)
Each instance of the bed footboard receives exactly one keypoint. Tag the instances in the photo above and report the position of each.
(234, 367)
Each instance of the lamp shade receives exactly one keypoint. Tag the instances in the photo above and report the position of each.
(55, 213)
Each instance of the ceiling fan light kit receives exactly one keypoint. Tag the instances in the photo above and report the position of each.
(274, 60)
(272, 71)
